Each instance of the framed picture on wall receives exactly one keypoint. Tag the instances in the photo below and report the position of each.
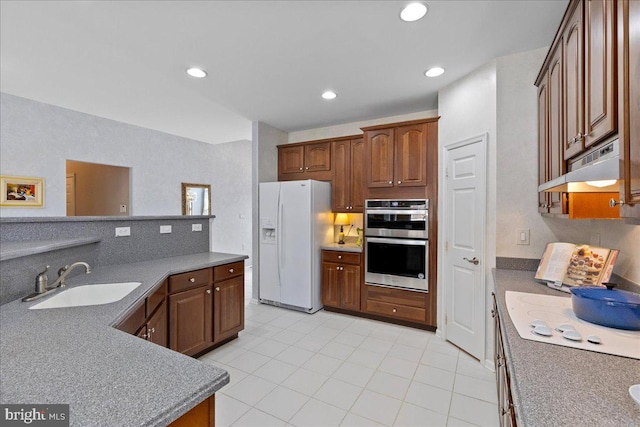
(21, 191)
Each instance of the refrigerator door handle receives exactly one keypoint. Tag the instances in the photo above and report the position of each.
(279, 239)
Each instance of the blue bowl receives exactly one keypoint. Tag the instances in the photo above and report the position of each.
(607, 307)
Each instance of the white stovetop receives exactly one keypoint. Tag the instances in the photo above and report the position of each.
(555, 311)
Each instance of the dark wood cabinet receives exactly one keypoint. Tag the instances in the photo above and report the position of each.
(148, 320)
(380, 151)
(228, 301)
(600, 78)
(628, 22)
(572, 43)
(191, 320)
(341, 279)
(543, 142)
(395, 303)
(506, 409)
(308, 160)
(156, 326)
(411, 156)
(347, 184)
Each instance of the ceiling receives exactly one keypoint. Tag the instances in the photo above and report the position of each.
(267, 61)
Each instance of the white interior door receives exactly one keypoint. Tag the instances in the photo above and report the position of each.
(465, 212)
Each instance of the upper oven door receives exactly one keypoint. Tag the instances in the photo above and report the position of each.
(397, 223)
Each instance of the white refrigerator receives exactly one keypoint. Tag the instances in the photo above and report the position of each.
(295, 220)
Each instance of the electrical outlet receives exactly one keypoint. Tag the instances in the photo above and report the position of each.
(196, 227)
(165, 229)
(522, 236)
(123, 231)
(123, 208)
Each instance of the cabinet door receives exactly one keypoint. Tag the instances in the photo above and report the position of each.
(629, 104)
(291, 159)
(600, 79)
(357, 175)
(317, 157)
(190, 320)
(341, 183)
(350, 287)
(555, 158)
(411, 156)
(157, 326)
(543, 137)
(330, 284)
(380, 157)
(573, 89)
(228, 307)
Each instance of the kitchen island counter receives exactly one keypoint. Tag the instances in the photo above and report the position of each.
(560, 386)
(108, 377)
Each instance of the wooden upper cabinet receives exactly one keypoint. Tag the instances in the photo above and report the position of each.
(411, 155)
(629, 105)
(555, 159)
(573, 82)
(357, 175)
(347, 191)
(317, 157)
(380, 157)
(543, 139)
(291, 159)
(600, 71)
(305, 160)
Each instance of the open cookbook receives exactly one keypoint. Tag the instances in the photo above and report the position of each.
(564, 265)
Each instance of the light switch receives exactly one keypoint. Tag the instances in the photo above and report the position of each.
(523, 236)
(165, 229)
(196, 227)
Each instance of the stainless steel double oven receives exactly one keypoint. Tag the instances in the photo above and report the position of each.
(397, 243)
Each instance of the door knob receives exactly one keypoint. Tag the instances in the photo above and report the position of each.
(473, 261)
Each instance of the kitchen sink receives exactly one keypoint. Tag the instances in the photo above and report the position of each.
(78, 296)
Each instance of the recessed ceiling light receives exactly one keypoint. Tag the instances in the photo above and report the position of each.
(197, 72)
(413, 12)
(434, 72)
(329, 95)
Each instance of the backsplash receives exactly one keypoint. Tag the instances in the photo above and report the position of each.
(17, 274)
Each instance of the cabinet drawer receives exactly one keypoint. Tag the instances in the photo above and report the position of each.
(132, 323)
(226, 271)
(396, 296)
(156, 298)
(191, 279)
(341, 257)
(396, 310)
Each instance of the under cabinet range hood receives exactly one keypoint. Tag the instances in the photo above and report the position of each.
(595, 171)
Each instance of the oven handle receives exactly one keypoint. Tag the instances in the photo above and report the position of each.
(397, 212)
(398, 241)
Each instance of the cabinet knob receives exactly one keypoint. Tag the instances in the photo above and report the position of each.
(613, 203)
(192, 280)
(390, 182)
(218, 289)
(307, 168)
(231, 270)
(579, 136)
(153, 330)
(395, 310)
(208, 291)
(144, 336)
(399, 182)
(300, 168)
(339, 256)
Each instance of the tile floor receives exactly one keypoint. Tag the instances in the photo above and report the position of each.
(294, 369)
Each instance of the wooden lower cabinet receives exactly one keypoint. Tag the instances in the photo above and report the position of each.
(394, 303)
(341, 279)
(506, 410)
(228, 308)
(191, 320)
(202, 415)
(149, 319)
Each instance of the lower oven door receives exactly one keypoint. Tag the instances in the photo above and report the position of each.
(399, 263)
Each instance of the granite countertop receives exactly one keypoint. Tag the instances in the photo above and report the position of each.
(347, 247)
(108, 377)
(560, 386)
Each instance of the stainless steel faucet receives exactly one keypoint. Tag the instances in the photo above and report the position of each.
(41, 280)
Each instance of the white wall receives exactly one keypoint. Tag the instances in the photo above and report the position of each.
(231, 198)
(467, 109)
(36, 139)
(353, 128)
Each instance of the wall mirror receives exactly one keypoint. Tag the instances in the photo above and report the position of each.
(97, 190)
(196, 199)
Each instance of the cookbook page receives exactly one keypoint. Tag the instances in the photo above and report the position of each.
(555, 261)
(586, 266)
